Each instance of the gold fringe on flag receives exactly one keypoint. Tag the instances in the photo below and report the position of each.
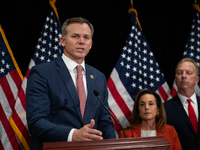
(136, 14)
(11, 53)
(52, 3)
(196, 6)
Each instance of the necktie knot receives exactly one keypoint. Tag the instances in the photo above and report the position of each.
(189, 101)
(79, 69)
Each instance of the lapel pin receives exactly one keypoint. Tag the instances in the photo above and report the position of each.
(91, 76)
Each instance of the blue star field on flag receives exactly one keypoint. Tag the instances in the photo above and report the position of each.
(6, 63)
(137, 66)
(49, 47)
(192, 49)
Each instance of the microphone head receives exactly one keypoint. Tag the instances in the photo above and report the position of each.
(96, 93)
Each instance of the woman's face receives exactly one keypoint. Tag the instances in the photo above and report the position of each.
(148, 107)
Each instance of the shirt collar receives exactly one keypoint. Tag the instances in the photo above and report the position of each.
(71, 65)
(184, 98)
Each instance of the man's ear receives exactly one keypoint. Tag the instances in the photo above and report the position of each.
(175, 79)
(91, 44)
(62, 41)
(197, 80)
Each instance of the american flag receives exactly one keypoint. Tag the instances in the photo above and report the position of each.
(192, 48)
(47, 49)
(136, 69)
(10, 82)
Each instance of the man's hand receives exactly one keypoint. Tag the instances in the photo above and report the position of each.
(86, 133)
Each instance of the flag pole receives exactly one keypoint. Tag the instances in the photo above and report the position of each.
(132, 6)
(131, 9)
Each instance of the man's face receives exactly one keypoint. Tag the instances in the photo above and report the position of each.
(186, 77)
(78, 41)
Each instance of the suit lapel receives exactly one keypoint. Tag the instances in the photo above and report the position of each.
(69, 84)
(177, 103)
(90, 103)
(137, 131)
(198, 103)
(160, 132)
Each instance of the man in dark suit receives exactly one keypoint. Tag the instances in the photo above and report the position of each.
(52, 101)
(179, 110)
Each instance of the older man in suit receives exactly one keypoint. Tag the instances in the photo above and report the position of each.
(183, 110)
(54, 107)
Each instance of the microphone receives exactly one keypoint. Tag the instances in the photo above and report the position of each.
(97, 95)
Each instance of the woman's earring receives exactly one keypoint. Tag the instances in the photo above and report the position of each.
(139, 116)
(157, 114)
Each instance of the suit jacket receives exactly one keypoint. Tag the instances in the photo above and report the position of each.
(53, 107)
(169, 133)
(177, 117)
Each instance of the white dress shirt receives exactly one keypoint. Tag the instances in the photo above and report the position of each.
(193, 103)
(71, 65)
(148, 133)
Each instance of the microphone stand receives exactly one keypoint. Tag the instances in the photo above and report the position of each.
(97, 94)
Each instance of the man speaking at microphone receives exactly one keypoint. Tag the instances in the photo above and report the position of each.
(60, 102)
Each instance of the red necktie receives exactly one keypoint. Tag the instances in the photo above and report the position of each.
(192, 116)
(80, 89)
